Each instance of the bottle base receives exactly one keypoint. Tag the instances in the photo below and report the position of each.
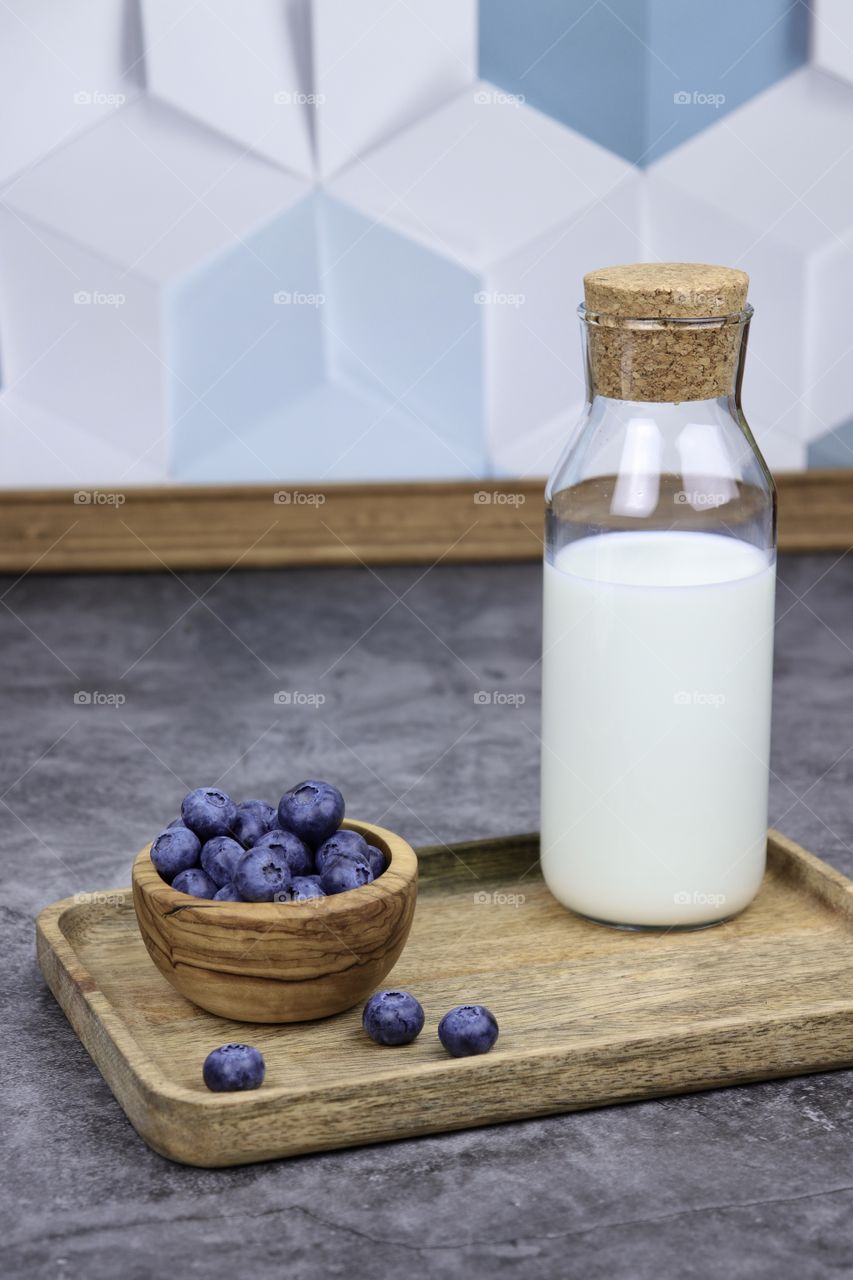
(657, 928)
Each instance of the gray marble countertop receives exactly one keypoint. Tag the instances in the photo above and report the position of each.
(755, 1181)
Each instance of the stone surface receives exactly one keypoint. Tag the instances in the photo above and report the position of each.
(750, 1182)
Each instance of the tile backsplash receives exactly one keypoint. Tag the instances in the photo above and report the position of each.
(308, 240)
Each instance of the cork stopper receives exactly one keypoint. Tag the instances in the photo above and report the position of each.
(664, 331)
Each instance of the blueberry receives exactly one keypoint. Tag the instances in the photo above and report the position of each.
(304, 887)
(343, 844)
(262, 874)
(313, 811)
(349, 872)
(196, 883)
(289, 847)
(208, 812)
(468, 1029)
(227, 894)
(176, 849)
(254, 819)
(177, 822)
(376, 858)
(393, 1017)
(233, 1066)
(219, 858)
(267, 811)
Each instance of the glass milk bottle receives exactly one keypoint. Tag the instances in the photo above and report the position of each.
(658, 611)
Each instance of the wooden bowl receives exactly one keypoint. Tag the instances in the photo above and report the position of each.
(280, 961)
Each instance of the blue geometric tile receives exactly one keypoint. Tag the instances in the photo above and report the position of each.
(835, 449)
(333, 434)
(640, 77)
(403, 326)
(243, 335)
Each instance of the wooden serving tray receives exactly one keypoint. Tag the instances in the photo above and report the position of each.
(588, 1015)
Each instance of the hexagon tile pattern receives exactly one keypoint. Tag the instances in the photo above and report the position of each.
(315, 246)
(784, 213)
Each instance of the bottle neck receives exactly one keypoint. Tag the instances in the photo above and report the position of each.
(665, 361)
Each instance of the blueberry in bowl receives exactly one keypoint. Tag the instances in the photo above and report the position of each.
(254, 819)
(195, 882)
(261, 874)
(208, 812)
(312, 810)
(345, 873)
(303, 888)
(343, 844)
(299, 957)
(291, 849)
(219, 858)
(176, 849)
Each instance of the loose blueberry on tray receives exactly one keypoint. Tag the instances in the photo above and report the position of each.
(468, 1029)
(313, 811)
(232, 1067)
(393, 1017)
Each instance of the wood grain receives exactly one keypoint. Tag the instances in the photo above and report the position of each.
(280, 961)
(588, 1016)
(216, 527)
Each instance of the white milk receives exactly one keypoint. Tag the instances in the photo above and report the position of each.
(657, 664)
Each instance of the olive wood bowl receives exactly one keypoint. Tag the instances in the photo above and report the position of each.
(280, 961)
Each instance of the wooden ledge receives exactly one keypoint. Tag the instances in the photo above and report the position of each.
(258, 526)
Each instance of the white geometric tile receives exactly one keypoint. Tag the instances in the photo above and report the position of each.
(40, 450)
(242, 68)
(509, 209)
(379, 67)
(140, 267)
(63, 67)
(832, 26)
(768, 189)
